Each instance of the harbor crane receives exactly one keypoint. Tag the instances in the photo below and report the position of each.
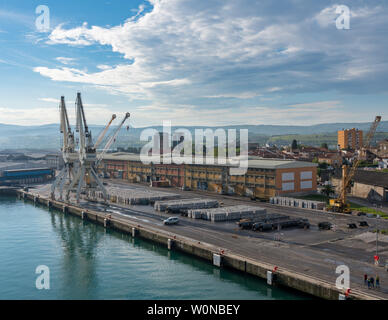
(80, 164)
(86, 176)
(340, 204)
(69, 153)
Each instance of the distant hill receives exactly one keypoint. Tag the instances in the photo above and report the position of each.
(48, 136)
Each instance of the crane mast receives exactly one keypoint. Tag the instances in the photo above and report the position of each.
(340, 204)
(86, 178)
(67, 149)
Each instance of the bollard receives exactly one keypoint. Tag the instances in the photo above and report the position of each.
(83, 215)
(269, 278)
(106, 222)
(341, 296)
(217, 260)
(170, 244)
(134, 231)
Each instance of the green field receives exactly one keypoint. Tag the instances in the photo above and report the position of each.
(353, 206)
(364, 209)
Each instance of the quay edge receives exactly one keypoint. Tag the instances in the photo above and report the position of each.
(287, 278)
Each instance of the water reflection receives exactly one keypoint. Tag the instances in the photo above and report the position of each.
(80, 244)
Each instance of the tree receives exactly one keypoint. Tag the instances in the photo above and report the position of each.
(294, 145)
(327, 190)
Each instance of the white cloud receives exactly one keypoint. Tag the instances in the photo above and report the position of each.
(50, 100)
(182, 51)
(57, 101)
(65, 60)
(38, 116)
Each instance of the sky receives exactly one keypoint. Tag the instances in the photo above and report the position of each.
(195, 62)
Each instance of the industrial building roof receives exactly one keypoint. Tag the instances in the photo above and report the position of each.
(254, 162)
(372, 178)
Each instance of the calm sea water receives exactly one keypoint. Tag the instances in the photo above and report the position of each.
(88, 262)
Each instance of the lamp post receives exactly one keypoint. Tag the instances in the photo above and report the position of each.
(377, 236)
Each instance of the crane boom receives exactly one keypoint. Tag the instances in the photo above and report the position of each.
(348, 174)
(112, 139)
(68, 151)
(103, 133)
(366, 145)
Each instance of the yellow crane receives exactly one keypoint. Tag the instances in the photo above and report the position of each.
(340, 204)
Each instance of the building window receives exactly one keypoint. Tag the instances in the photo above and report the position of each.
(288, 186)
(288, 176)
(306, 175)
(306, 184)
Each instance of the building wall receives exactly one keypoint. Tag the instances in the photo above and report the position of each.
(296, 180)
(257, 182)
(372, 193)
(365, 191)
(350, 139)
(116, 169)
(335, 160)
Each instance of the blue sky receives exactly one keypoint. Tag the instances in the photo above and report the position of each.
(195, 62)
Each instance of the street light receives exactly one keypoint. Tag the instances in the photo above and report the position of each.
(377, 236)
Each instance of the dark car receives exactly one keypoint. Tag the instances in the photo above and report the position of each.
(262, 226)
(324, 225)
(245, 224)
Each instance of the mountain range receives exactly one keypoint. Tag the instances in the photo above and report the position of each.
(48, 136)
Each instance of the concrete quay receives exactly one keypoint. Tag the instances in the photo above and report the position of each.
(204, 245)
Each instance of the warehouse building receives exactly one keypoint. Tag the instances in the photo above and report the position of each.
(264, 178)
(26, 176)
(369, 185)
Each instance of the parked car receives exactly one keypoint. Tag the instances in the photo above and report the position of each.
(364, 224)
(171, 220)
(262, 226)
(245, 224)
(324, 225)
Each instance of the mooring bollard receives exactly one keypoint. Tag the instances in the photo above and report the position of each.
(83, 215)
(217, 260)
(106, 222)
(170, 244)
(134, 231)
(269, 278)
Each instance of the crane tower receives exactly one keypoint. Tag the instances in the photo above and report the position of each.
(80, 170)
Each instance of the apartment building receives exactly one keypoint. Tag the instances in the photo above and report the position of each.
(350, 139)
